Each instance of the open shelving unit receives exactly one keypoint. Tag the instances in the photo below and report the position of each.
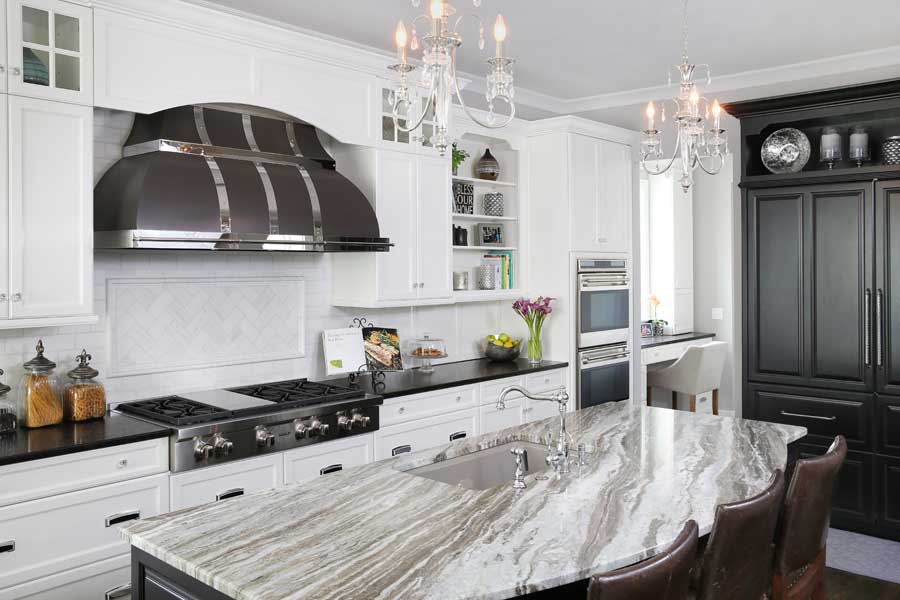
(467, 258)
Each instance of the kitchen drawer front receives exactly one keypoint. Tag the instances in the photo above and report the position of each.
(853, 501)
(493, 419)
(887, 421)
(425, 433)
(313, 461)
(667, 352)
(81, 470)
(535, 410)
(490, 390)
(202, 486)
(417, 406)
(52, 535)
(546, 381)
(105, 579)
(888, 469)
(825, 415)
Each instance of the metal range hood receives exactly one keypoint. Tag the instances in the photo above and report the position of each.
(214, 177)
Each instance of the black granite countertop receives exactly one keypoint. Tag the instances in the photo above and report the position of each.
(66, 438)
(413, 381)
(662, 340)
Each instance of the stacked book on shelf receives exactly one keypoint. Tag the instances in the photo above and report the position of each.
(502, 261)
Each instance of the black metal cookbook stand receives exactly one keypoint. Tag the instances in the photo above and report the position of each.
(376, 374)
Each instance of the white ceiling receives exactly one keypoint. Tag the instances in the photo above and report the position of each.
(587, 56)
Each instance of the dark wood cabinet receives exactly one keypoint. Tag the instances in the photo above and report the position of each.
(887, 430)
(888, 477)
(809, 299)
(887, 293)
(152, 579)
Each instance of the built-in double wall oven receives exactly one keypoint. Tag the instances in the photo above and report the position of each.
(604, 317)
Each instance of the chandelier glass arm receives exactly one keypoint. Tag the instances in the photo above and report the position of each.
(671, 161)
(398, 117)
(468, 111)
(712, 170)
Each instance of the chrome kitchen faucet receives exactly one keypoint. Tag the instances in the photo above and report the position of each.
(557, 457)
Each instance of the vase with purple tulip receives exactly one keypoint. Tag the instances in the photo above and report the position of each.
(534, 313)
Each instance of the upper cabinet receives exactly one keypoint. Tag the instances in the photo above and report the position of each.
(46, 248)
(3, 37)
(49, 50)
(411, 198)
(601, 174)
(392, 136)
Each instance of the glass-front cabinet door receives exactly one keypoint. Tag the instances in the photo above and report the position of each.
(50, 50)
(419, 139)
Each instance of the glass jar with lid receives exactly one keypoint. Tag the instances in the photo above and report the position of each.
(425, 350)
(8, 417)
(84, 397)
(39, 403)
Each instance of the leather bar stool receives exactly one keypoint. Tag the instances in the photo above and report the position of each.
(800, 542)
(666, 576)
(737, 561)
(697, 371)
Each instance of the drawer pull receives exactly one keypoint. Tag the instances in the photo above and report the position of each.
(802, 416)
(122, 517)
(401, 450)
(894, 408)
(331, 469)
(122, 591)
(9, 546)
(232, 493)
(457, 436)
(401, 410)
(459, 398)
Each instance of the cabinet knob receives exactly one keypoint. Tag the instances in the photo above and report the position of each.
(2, 68)
(16, 297)
(123, 463)
(16, 71)
(2, 298)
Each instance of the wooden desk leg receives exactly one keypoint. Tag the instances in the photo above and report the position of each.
(693, 403)
(715, 402)
(674, 400)
(649, 395)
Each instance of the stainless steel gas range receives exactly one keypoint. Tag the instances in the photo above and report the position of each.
(218, 426)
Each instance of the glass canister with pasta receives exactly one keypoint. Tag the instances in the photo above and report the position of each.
(39, 402)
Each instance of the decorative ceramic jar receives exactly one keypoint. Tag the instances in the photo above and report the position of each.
(486, 277)
(890, 150)
(492, 204)
(488, 167)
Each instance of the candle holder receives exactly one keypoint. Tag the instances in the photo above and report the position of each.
(830, 151)
(859, 145)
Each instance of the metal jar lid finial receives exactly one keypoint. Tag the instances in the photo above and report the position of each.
(84, 369)
(40, 362)
(3, 388)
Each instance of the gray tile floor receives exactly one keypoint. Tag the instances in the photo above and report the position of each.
(863, 555)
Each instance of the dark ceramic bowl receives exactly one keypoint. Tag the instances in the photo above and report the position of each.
(500, 354)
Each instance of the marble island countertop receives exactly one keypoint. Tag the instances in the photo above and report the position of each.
(377, 532)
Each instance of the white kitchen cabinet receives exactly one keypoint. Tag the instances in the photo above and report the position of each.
(316, 460)
(493, 419)
(601, 175)
(535, 410)
(4, 65)
(428, 404)
(50, 47)
(392, 137)
(108, 579)
(50, 243)
(220, 483)
(90, 519)
(425, 433)
(4, 208)
(411, 198)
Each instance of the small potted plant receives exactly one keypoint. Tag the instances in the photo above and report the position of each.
(457, 157)
(658, 324)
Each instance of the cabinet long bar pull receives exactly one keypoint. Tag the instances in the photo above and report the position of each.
(122, 517)
(894, 408)
(331, 469)
(232, 493)
(802, 416)
(867, 334)
(879, 326)
(122, 591)
(401, 450)
(457, 436)
(8, 546)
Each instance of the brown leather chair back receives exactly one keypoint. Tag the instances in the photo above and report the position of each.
(666, 576)
(737, 563)
(807, 508)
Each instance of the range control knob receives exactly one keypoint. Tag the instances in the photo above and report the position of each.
(301, 430)
(264, 437)
(345, 423)
(317, 427)
(360, 420)
(202, 449)
(221, 444)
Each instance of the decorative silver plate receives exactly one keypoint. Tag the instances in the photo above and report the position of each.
(786, 151)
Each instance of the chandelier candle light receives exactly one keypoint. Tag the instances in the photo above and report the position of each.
(695, 145)
(439, 76)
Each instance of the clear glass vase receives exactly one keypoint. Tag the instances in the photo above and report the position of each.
(535, 351)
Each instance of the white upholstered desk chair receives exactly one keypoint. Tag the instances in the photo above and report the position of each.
(699, 370)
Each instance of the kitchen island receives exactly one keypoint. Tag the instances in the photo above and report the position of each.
(377, 532)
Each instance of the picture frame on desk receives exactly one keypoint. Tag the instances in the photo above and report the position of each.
(489, 234)
(646, 330)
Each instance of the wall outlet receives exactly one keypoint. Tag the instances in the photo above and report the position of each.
(718, 314)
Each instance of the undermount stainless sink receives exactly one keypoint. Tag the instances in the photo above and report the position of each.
(485, 469)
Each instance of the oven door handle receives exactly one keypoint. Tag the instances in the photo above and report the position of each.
(605, 361)
(603, 286)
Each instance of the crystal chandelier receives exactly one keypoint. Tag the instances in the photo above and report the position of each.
(695, 145)
(438, 75)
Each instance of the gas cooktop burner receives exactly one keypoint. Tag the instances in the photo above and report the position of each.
(175, 410)
(298, 392)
